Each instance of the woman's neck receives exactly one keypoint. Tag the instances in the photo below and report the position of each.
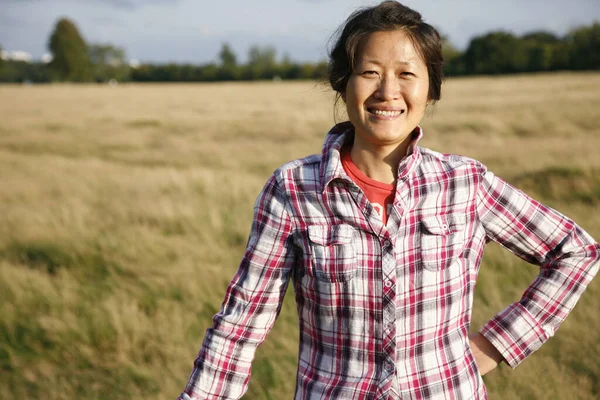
(379, 163)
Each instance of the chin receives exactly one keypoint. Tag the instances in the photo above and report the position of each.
(389, 135)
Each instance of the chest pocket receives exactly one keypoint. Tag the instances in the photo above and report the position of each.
(442, 240)
(332, 256)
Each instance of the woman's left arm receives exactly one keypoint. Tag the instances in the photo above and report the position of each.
(569, 258)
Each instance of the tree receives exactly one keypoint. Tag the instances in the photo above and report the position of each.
(541, 37)
(227, 57)
(262, 63)
(70, 53)
(453, 60)
(108, 62)
(585, 47)
(14, 71)
(495, 53)
(539, 57)
(540, 47)
(228, 69)
(560, 56)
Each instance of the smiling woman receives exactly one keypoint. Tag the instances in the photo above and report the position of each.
(383, 240)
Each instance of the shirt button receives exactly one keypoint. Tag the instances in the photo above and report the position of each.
(389, 367)
(390, 326)
(386, 243)
(388, 284)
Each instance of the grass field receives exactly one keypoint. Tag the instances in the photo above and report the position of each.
(124, 212)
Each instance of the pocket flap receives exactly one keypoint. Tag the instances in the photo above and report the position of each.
(444, 224)
(330, 235)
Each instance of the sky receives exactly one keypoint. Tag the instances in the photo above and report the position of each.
(194, 30)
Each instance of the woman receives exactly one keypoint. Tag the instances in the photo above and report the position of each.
(383, 241)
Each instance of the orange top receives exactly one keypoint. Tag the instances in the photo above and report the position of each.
(380, 195)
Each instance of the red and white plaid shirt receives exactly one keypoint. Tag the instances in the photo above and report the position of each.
(385, 311)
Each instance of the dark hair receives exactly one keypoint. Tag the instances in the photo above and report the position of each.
(387, 16)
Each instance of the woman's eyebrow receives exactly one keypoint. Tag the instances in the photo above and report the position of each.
(376, 62)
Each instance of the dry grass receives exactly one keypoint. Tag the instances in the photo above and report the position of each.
(125, 211)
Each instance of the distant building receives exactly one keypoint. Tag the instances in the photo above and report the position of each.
(17, 55)
(47, 58)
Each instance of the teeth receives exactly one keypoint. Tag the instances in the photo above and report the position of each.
(387, 113)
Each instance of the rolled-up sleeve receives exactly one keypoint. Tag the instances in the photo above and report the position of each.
(568, 258)
(252, 303)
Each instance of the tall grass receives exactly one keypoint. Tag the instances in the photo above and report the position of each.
(124, 212)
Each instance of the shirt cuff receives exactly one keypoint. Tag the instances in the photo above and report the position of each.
(515, 333)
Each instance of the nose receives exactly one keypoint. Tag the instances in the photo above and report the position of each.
(389, 89)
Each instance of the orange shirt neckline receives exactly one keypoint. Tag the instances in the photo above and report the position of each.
(379, 194)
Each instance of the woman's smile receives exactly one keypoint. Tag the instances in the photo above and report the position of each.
(384, 113)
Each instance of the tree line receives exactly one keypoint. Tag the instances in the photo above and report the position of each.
(74, 60)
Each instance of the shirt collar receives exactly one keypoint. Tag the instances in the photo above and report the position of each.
(331, 165)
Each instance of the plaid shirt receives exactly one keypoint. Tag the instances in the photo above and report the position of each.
(385, 311)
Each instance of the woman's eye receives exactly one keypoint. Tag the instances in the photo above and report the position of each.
(369, 73)
(407, 73)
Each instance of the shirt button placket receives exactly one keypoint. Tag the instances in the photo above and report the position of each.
(389, 308)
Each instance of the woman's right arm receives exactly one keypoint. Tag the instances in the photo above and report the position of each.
(252, 303)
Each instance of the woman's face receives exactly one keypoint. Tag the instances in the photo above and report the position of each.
(386, 95)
